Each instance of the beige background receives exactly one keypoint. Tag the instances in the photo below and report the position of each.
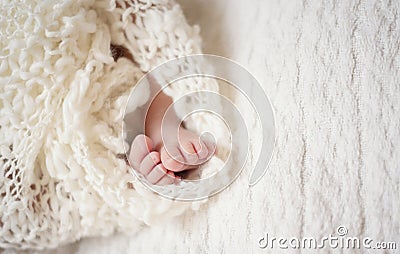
(331, 69)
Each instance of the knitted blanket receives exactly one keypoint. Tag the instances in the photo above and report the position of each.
(332, 71)
(62, 99)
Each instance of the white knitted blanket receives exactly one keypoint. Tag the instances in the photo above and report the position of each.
(332, 71)
(62, 99)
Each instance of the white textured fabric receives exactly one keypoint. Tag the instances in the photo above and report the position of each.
(62, 98)
(332, 72)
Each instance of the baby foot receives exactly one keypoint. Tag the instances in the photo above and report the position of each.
(186, 153)
(148, 162)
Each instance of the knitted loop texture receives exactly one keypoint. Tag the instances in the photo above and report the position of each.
(62, 99)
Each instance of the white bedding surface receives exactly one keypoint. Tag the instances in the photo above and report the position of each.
(332, 73)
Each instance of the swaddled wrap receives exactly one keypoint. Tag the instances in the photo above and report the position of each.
(62, 98)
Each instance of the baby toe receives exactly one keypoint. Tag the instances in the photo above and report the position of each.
(141, 146)
(149, 162)
(168, 178)
(189, 152)
(202, 151)
(173, 160)
(156, 174)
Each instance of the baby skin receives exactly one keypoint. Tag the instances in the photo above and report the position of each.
(159, 162)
